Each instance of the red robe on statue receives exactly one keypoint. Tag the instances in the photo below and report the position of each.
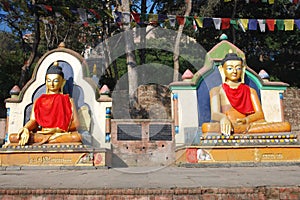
(53, 110)
(239, 98)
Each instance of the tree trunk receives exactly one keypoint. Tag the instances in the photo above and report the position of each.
(233, 16)
(177, 42)
(130, 54)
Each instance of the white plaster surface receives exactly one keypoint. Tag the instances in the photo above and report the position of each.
(187, 112)
(271, 105)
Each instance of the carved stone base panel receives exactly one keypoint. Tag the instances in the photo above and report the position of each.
(237, 155)
(54, 155)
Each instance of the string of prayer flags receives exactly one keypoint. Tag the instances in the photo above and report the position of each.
(88, 16)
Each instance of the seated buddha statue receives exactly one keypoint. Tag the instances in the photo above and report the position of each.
(53, 117)
(235, 107)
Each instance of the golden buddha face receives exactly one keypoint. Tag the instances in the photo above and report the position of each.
(54, 83)
(233, 70)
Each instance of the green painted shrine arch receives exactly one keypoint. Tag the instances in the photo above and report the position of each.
(213, 59)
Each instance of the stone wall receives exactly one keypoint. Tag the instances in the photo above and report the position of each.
(291, 103)
(151, 101)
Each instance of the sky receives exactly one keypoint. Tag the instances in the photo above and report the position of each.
(3, 25)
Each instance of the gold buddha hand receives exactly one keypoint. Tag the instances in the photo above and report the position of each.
(23, 136)
(226, 126)
(50, 130)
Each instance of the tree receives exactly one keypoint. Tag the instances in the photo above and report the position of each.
(177, 41)
(10, 60)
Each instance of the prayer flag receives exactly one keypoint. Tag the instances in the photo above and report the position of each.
(297, 22)
(289, 24)
(225, 23)
(136, 17)
(195, 25)
(180, 20)
(262, 25)
(280, 24)
(207, 22)
(162, 18)
(252, 24)
(199, 21)
(172, 20)
(217, 23)
(271, 24)
(188, 20)
(244, 24)
(153, 18)
(234, 23)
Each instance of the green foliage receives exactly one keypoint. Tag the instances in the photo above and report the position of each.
(10, 60)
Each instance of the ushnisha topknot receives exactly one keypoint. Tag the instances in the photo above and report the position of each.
(231, 56)
(55, 69)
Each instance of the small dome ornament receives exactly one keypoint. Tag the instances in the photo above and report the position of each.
(223, 36)
(187, 75)
(14, 92)
(264, 75)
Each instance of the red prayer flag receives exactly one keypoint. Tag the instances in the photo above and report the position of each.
(225, 23)
(180, 20)
(271, 24)
(136, 17)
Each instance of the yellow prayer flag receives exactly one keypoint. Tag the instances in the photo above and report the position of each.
(199, 22)
(153, 18)
(227, 0)
(244, 23)
(271, 1)
(289, 24)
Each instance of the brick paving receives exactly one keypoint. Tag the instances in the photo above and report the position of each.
(275, 182)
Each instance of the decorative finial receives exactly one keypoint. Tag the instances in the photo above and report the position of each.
(230, 51)
(264, 75)
(187, 75)
(62, 45)
(55, 64)
(14, 92)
